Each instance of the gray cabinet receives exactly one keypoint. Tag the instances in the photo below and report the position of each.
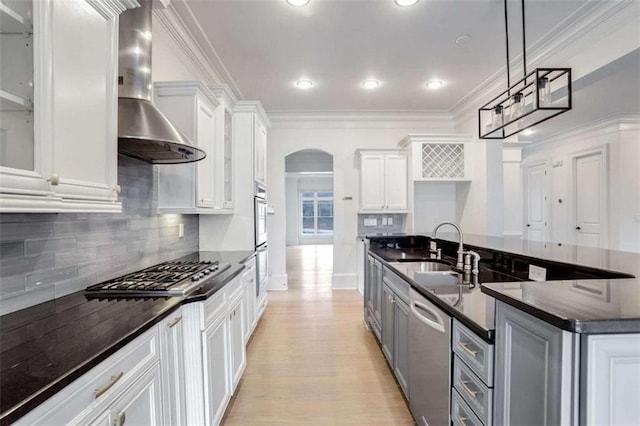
(401, 344)
(395, 326)
(534, 371)
(373, 295)
(388, 329)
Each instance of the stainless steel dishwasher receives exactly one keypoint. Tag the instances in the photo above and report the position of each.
(429, 362)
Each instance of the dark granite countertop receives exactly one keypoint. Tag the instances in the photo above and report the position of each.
(46, 347)
(467, 304)
(607, 302)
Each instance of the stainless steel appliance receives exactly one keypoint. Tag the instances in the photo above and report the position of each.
(260, 203)
(143, 132)
(176, 278)
(429, 362)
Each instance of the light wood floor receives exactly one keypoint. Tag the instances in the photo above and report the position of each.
(311, 360)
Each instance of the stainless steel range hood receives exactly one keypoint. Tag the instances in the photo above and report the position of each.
(143, 131)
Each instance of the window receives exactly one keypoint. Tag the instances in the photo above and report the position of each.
(317, 213)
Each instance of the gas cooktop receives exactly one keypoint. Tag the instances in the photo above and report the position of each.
(175, 278)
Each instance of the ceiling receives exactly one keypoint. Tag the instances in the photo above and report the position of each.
(267, 45)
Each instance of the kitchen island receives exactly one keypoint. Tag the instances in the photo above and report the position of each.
(550, 337)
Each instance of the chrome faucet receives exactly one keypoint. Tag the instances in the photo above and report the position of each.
(464, 257)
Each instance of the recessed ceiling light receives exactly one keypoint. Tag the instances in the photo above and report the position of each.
(527, 132)
(370, 84)
(463, 39)
(297, 2)
(406, 2)
(434, 84)
(304, 84)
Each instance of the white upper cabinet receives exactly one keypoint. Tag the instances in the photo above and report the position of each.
(224, 148)
(383, 181)
(437, 157)
(58, 116)
(251, 124)
(190, 187)
(260, 153)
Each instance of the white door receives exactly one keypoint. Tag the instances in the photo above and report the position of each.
(238, 348)
(215, 350)
(372, 182)
(173, 370)
(590, 196)
(396, 182)
(536, 212)
(260, 153)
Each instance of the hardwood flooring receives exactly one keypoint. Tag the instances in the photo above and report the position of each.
(311, 361)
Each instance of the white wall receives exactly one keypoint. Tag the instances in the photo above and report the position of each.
(513, 189)
(295, 183)
(621, 137)
(339, 137)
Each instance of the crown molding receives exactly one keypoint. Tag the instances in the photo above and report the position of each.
(255, 107)
(569, 37)
(184, 88)
(190, 35)
(109, 9)
(608, 125)
(224, 92)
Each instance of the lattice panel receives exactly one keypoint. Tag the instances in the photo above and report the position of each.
(442, 161)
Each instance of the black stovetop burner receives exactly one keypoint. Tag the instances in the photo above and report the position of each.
(175, 278)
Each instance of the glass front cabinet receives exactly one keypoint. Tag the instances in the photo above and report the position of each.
(58, 130)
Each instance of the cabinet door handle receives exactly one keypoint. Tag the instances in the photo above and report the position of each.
(465, 346)
(54, 179)
(174, 322)
(578, 228)
(461, 420)
(114, 379)
(466, 388)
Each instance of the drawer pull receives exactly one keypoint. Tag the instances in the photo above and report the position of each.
(114, 379)
(122, 418)
(461, 420)
(174, 322)
(466, 388)
(465, 346)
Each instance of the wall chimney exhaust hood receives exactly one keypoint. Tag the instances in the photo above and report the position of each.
(143, 131)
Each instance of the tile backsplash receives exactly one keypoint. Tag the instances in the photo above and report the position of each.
(44, 256)
(371, 224)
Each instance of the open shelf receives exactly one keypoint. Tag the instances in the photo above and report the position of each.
(11, 102)
(12, 22)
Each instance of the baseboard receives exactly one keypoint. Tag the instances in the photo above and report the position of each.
(278, 282)
(344, 281)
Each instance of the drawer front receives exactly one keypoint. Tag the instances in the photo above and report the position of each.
(100, 386)
(214, 307)
(235, 289)
(474, 351)
(474, 392)
(399, 286)
(461, 413)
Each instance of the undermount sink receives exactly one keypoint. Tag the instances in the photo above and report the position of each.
(431, 265)
(430, 273)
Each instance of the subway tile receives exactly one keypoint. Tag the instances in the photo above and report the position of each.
(50, 276)
(26, 299)
(93, 240)
(62, 288)
(110, 250)
(12, 285)
(35, 247)
(74, 257)
(18, 231)
(64, 228)
(99, 266)
(25, 265)
(10, 249)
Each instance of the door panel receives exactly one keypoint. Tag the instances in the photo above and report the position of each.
(536, 214)
(396, 182)
(372, 185)
(589, 201)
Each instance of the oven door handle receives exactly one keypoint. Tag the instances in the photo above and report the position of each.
(262, 248)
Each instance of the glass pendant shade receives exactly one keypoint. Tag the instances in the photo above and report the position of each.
(517, 106)
(498, 118)
(544, 91)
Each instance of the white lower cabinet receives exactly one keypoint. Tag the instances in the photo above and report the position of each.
(237, 347)
(172, 361)
(215, 350)
(250, 300)
(108, 389)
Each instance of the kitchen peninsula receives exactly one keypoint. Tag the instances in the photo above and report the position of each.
(510, 334)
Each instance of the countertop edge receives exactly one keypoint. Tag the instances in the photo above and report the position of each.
(487, 335)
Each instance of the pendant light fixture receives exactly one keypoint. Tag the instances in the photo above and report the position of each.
(539, 96)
